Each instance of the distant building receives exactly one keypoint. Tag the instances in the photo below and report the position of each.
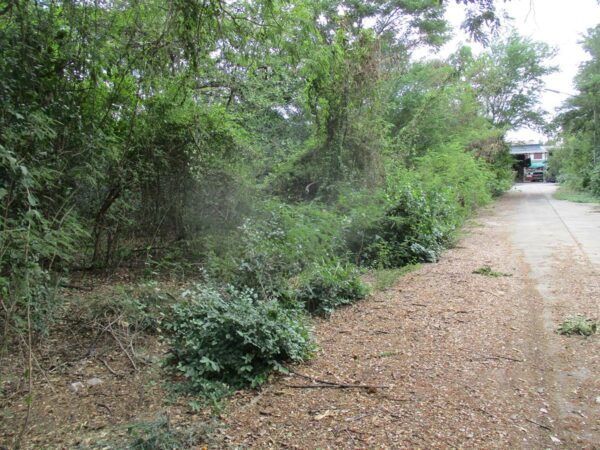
(530, 161)
(538, 153)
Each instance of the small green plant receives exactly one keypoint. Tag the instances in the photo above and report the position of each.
(226, 338)
(418, 225)
(578, 325)
(327, 286)
(489, 272)
(387, 354)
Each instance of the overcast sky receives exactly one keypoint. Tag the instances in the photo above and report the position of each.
(560, 23)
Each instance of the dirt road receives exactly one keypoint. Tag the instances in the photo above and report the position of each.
(452, 359)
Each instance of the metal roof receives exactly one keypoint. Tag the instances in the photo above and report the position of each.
(527, 148)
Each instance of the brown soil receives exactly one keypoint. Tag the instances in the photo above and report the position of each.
(79, 350)
(444, 359)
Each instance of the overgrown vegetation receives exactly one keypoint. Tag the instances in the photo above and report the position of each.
(268, 150)
(576, 161)
(578, 325)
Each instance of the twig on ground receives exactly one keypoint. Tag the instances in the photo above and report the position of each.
(112, 333)
(102, 405)
(110, 369)
(545, 427)
(336, 386)
(76, 286)
(330, 384)
(508, 358)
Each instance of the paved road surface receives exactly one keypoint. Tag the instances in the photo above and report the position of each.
(560, 242)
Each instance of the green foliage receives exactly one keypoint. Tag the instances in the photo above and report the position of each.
(245, 137)
(594, 187)
(577, 159)
(489, 272)
(416, 227)
(275, 245)
(578, 325)
(508, 81)
(221, 339)
(328, 285)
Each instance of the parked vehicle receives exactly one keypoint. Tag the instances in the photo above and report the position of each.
(535, 172)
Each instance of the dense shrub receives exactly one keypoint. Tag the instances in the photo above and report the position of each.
(230, 338)
(326, 286)
(417, 227)
(274, 245)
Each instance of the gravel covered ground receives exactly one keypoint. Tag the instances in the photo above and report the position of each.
(446, 358)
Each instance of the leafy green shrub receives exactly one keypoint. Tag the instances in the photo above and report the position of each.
(594, 186)
(274, 246)
(231, 338)
(466, 181)
(326, 286)
(416, 228)
(579, 325)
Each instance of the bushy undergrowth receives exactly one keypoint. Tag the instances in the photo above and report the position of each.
(136, 308)
(416, 227)
(278, 243)
(326, 286)
(221, 339)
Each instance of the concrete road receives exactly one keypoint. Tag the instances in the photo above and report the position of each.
(560, 243)
(543, 224)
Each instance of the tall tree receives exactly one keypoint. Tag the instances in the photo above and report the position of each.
(508, 81)
(579, 156)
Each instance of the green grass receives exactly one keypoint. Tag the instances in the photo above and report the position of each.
(578, 325)
(489, 272)
(386, 278)
(565, 193)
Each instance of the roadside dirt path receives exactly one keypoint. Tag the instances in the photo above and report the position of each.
(455, 359)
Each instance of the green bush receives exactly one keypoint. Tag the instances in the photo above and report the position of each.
(230, 338)
(416, 228)
(275, 245)
(326, 286)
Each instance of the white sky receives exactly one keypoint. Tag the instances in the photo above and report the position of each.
(560, 23)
